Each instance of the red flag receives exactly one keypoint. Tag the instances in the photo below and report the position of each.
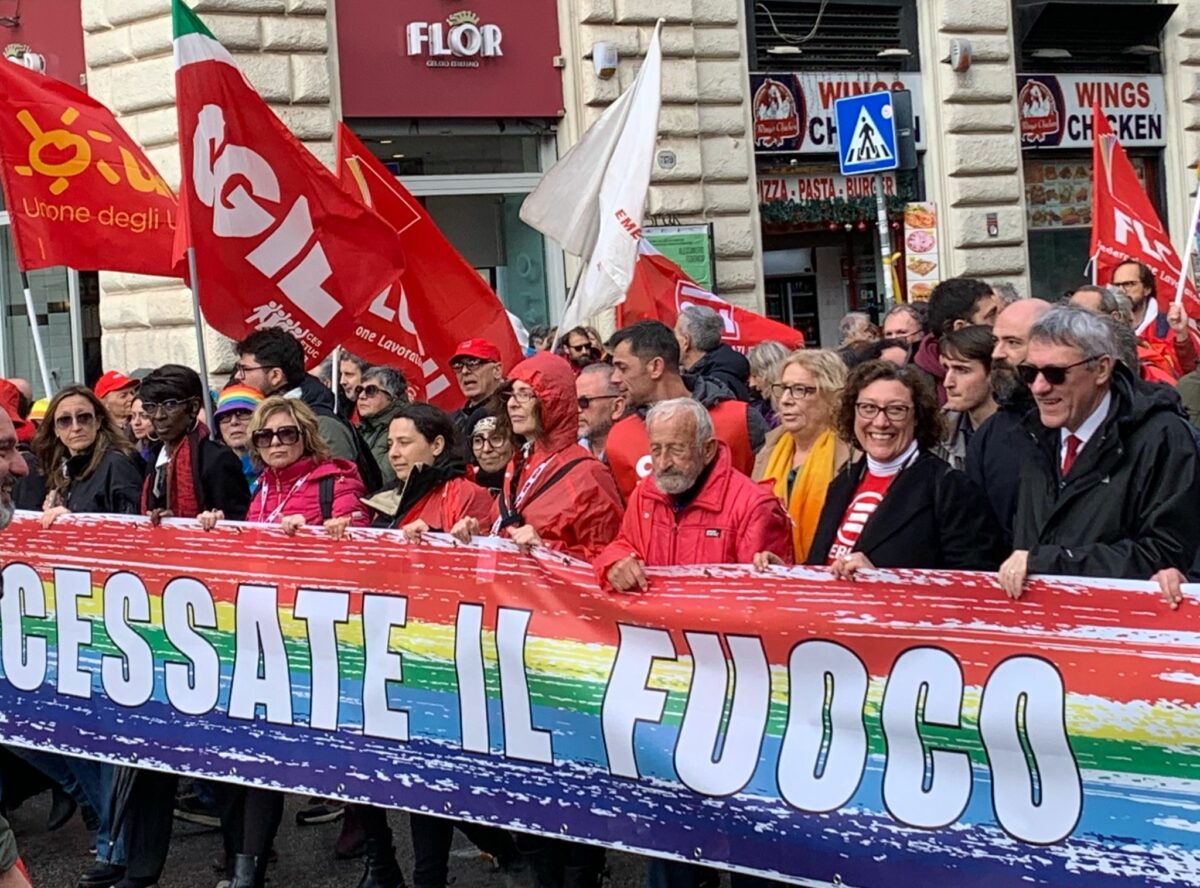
(78, 189)
(279, 242)
(660, 288)
(439, 300)
(1124, 223)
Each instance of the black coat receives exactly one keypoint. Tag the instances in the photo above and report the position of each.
(1127, 508)
(995, 455)
(932, 517)
(217, 476)
(115, 488)
(726, 366)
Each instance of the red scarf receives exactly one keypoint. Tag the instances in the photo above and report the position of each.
(182, 500)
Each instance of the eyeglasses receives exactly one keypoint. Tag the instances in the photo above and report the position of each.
(64, 421)
(231, 415)
(585, 401)
(154, 408)
(370, 390)
(468, 365)
(521, 396)
(579, 348)
(483, 442)
(1126, 285)
(240, 370)
(286, 435)
(797, 392)
(1028, 373)
(894, 412)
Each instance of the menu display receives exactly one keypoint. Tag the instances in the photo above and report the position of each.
(922, 262)
(1058, 194)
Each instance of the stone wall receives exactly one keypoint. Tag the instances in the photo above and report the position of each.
(282, 47)
(975, 156)
(1181, 62)
(705, 120)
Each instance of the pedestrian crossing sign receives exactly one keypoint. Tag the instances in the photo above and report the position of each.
(866, 133)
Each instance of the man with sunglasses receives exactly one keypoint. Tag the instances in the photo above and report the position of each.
(578, 348)
(1112, 486)
(477, 367)
(600, 405)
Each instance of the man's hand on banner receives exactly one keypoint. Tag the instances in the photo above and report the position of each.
(1170, 583)
(844, 568)
(414, 531)
(763, 560)
(525, 537)
(156, 516)
(208, 520)
(627, 575)
(1013, 573)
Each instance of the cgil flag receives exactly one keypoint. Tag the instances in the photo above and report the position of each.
(278, 241)
(1124, 223)
(660, 289)
(592, 201)
(437, 302)
(79, 191)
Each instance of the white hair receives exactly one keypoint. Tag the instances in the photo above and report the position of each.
(689, 406)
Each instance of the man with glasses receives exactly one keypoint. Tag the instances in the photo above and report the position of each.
(600, 405)
(1168, 329)
(1114, 479)
(477, 367)
(379, 397)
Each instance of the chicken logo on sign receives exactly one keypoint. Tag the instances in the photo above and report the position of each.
(1041, 117)
(776, 114)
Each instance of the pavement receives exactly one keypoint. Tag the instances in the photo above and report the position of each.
(306, 859)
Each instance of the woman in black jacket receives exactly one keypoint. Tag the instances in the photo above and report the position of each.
(88, 463)
(899, 506)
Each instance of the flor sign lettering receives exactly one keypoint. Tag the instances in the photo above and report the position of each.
(243, 192)
(460, 34)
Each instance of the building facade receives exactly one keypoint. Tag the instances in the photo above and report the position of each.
(745, 187)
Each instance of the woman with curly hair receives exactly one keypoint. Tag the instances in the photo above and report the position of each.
(899, 505)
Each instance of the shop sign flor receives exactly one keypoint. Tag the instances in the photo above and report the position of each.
(458, 42)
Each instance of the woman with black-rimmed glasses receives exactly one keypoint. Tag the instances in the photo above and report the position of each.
(899, 506)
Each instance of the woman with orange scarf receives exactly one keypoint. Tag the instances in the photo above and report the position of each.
(803, 454)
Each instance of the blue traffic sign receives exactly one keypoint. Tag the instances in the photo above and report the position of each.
(866, 133)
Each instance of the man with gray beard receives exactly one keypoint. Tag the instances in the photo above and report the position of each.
(694, 507)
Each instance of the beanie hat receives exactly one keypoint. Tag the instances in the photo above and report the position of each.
(238, 397)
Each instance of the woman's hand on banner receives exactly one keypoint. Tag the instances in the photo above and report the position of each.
(465, 529)
(525, 537)
(846, 566)
(292, 523)
(156, 516)
(763, 560)
(53, 514)
(337, 527)
(413, 531)
(1170, 583)
(208, 520)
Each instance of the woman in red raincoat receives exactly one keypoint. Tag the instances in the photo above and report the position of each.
(555, 493)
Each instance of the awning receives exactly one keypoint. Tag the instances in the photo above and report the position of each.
(1046, 22)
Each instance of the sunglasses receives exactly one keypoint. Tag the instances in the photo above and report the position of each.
(585, 402)
(231, 415)
(64, 421)
(468, 365)
(285, 435)
(1028, 373)
(153, 408)
(370, 390)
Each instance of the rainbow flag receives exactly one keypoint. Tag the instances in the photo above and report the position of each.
(913, 728)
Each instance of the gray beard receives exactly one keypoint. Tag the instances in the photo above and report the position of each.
(7, 509)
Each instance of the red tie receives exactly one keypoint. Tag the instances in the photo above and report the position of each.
(1072, 450)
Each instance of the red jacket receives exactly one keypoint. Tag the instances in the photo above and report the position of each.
(581, 512)
(444, 507)
(296, 490)
(1180, 356)
(627, 450)
(729, 520)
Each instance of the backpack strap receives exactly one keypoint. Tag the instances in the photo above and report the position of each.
(325, 495)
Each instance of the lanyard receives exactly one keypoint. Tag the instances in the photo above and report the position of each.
(270, 519)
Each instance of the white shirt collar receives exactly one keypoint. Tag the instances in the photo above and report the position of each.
(1149, 317)
(1089, 426)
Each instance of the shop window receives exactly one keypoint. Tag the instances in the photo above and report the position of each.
(1090, 36)
(877, 35)
(51, 299)
(422, 149)
(1058, 207)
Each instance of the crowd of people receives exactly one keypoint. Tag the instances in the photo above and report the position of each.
(976, 432)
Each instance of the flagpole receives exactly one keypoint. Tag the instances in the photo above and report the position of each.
(38, 349)
(195, 282)
(1188, 246)
(567, 305)
(335, 378)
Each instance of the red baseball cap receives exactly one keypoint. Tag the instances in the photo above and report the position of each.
(477, 348)
(113, 381)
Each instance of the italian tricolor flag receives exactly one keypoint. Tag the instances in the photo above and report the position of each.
(278, 241)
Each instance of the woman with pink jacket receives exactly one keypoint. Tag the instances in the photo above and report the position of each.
(301, 485)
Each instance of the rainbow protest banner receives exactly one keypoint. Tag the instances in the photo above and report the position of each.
(910, 729)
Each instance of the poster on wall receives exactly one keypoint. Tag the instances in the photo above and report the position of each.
(688, 246)
(793, 113)
(922, 262)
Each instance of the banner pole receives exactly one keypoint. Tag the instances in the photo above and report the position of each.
(335, 378)
(195, 287)
(38, 348)
(570, 298)
(885, 244)
(1188, 245)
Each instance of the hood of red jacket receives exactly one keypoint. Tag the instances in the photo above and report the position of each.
(552, 381)
(10, 397)
(927, 357)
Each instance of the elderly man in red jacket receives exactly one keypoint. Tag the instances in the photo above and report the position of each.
(694, 508)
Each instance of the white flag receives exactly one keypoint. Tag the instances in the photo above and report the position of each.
(592, 201)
